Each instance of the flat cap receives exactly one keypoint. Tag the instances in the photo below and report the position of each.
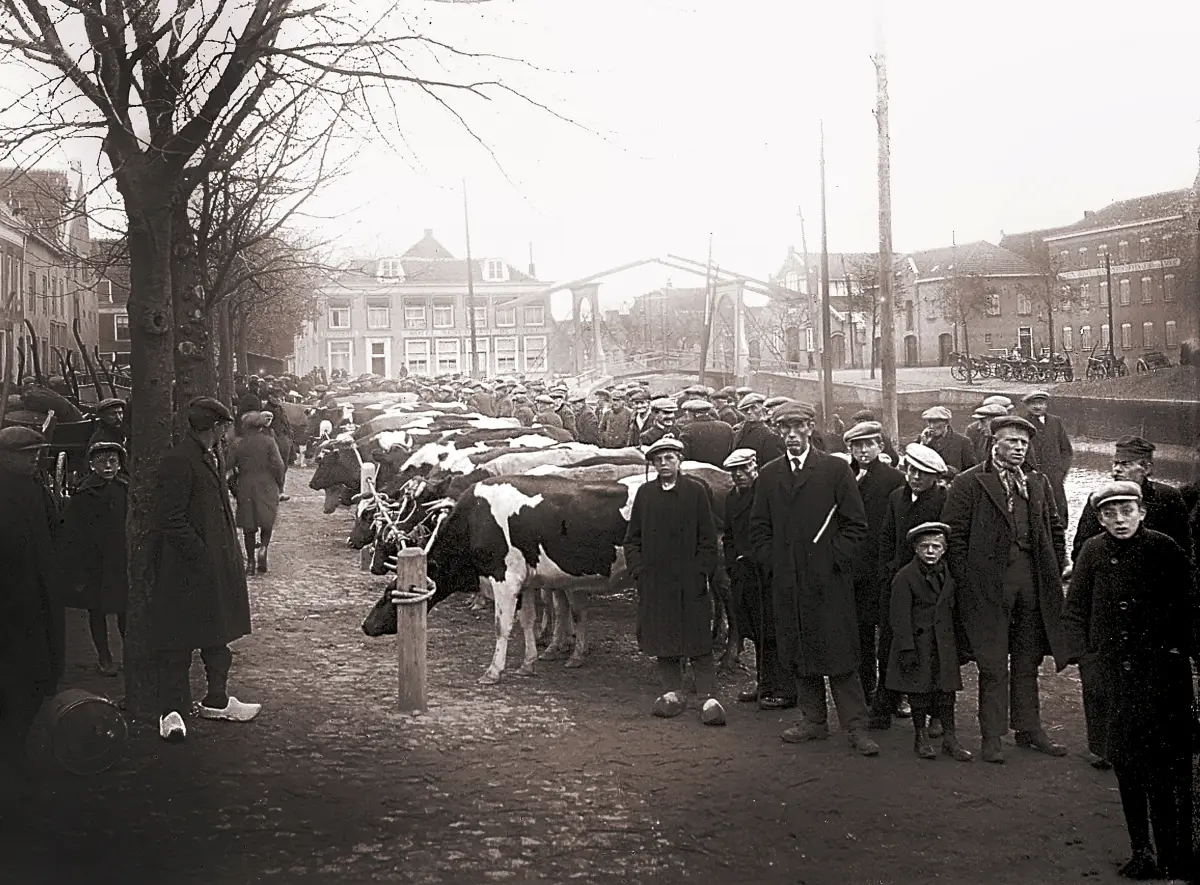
(740, 458)
(991, 410)
(577, 398)
(726, 392)
(208, 404)
(1133, 448)
(638, 396)
(794, 411)
(1035, 394)
(519, 389)
(1110, 492)
(544, 398)
(607, 394)
(559, 388)
(697, 389)
(21, 439)
(742, 391)
(998, 399)
(863, 430)
(936, 413)
(663, 404)
(111, 403)
(751, 399)
(924, 458)
(928, 528)
(107, 445)
(697, 405)
(1012, 421)
(666, 444)
(862, 415)
(776, 401)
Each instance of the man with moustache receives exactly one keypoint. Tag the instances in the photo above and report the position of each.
(1050, 452)
(755, 433)
(806, 524)
(956, 450)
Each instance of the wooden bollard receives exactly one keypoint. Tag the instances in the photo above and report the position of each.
(410, 629)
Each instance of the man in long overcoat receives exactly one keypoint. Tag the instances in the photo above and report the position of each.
(706, 438)
(806, 524)
(31, 624)
(755, 433)
(1007, 555)
(587, 425)
(615, 423)
(1050, 452)
(199, 594)
(876, 480)
(671, 552)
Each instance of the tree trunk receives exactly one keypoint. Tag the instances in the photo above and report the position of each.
(967, 350)
(242, 334)
(224, 317)
(147, 195)
(195, 367)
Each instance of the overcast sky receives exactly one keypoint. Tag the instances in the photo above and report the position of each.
(1003, 117)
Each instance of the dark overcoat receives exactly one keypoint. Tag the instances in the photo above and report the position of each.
(1127, 623)
(257, 466)
(956, 450)
(482, 402)
(980, 434)
(653, 433)
(614, 427)
(902, 514)
(1165, 512)
(981, 532)
(587, 426)
(31, 616)
(806, 529)
(730, 416)
(199, 597)
(567, 417)
(874, 488)
(93, 544)
(709, 440)
(524, 414)
(922, 619)
(671, 548)
(1050, 450)
(767, 444)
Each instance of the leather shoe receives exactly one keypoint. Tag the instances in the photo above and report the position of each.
(1140, 866)
(748, 695)
(990, 751)
(806, 731)
(903, 709)
(935, 727)
(1099, 762)
(772, 702)
(863, 744)
(1040, 741)
(956, 751)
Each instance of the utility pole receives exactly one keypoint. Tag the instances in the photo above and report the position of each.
(709, 289)
(887, 322)
(1108, 278)
(826, 337)
(849, 311)
(470, 283)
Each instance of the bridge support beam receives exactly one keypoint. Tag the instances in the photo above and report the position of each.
(591, 293)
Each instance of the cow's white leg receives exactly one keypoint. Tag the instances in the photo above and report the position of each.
(482, 596)
(577, 617)
(546, 624)
(506, 609)
(527, 614)
(557, 649)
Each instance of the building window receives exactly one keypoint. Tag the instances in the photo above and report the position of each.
(1126, 336)
(339, 316)
(443, 315)
(791, 280)
(391, 268)
(1168, 242)
(1024, 304)
(993, 308)
(31, 295)
(535, 315)
(1103, 294)
(1144, 249)
(1148, 335)
(987, 339)
(447, 353)
(121, 327)
(1064, 259)
(908, 316)
(414, 315)
(1169, 287)
(416, 355)
(1123, 289)
(1083, 256)
(1172, 334)
(506, 355)
(506, 317)
(1085, 337)
(1085, 296)
(104, 291)
(340, 356)
(535, 353)
(1147, 290)
(379, 316)
(1104, 338)
(380, 358)
(479, 363)
(1123, 251)
(1068, 338)
(481, 317)
(809, 343)
(494, 270)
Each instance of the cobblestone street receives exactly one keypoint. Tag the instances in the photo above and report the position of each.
(564, 777)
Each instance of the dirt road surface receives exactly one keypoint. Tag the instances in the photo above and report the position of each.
(564, 777)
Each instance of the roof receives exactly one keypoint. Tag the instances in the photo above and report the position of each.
(428, 261)
(980, 258)
(1122, 212)
(427, 248)
(40, 197)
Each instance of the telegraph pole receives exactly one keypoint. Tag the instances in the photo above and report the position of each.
(887, 322)
(1108, 278)
(826, 337)
(709, 310)
(470, 283)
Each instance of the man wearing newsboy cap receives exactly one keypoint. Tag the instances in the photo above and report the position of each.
(1050, 451)
(806, 525)
(1006, 554)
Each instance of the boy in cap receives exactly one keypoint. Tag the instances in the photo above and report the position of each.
(110, 421)
(671, 552)
(876, 481)
(956, 450)
(754, 431)
(923, 661)
(1129, 624)
(1051, 452)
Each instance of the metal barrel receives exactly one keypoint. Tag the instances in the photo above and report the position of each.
(87, 732)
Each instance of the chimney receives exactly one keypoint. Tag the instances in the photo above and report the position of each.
(429, 233)
(1088, 213)
(532, 272)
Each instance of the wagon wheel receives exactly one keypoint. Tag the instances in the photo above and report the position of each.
(1141, 366)
(958, 371)
(60, 476)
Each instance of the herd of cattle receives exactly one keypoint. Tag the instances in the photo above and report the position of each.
(501, 509)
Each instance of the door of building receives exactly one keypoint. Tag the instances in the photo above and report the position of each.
(945, 348)
(910, 350)
(1025, 341)
(839, 351)
(380, 357)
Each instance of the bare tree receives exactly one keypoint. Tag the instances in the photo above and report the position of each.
(963, 299)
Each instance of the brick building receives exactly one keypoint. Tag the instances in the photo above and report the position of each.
(111, 269)
(410, 311)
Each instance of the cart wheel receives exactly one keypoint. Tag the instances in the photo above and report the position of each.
(958, 371)
(60, 475)
(1141, 367)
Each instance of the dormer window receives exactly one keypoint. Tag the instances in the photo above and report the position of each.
(390, 269)
(495, 270)
(104, 291)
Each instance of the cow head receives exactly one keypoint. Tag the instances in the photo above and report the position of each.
(364, 530)
(337, 496)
